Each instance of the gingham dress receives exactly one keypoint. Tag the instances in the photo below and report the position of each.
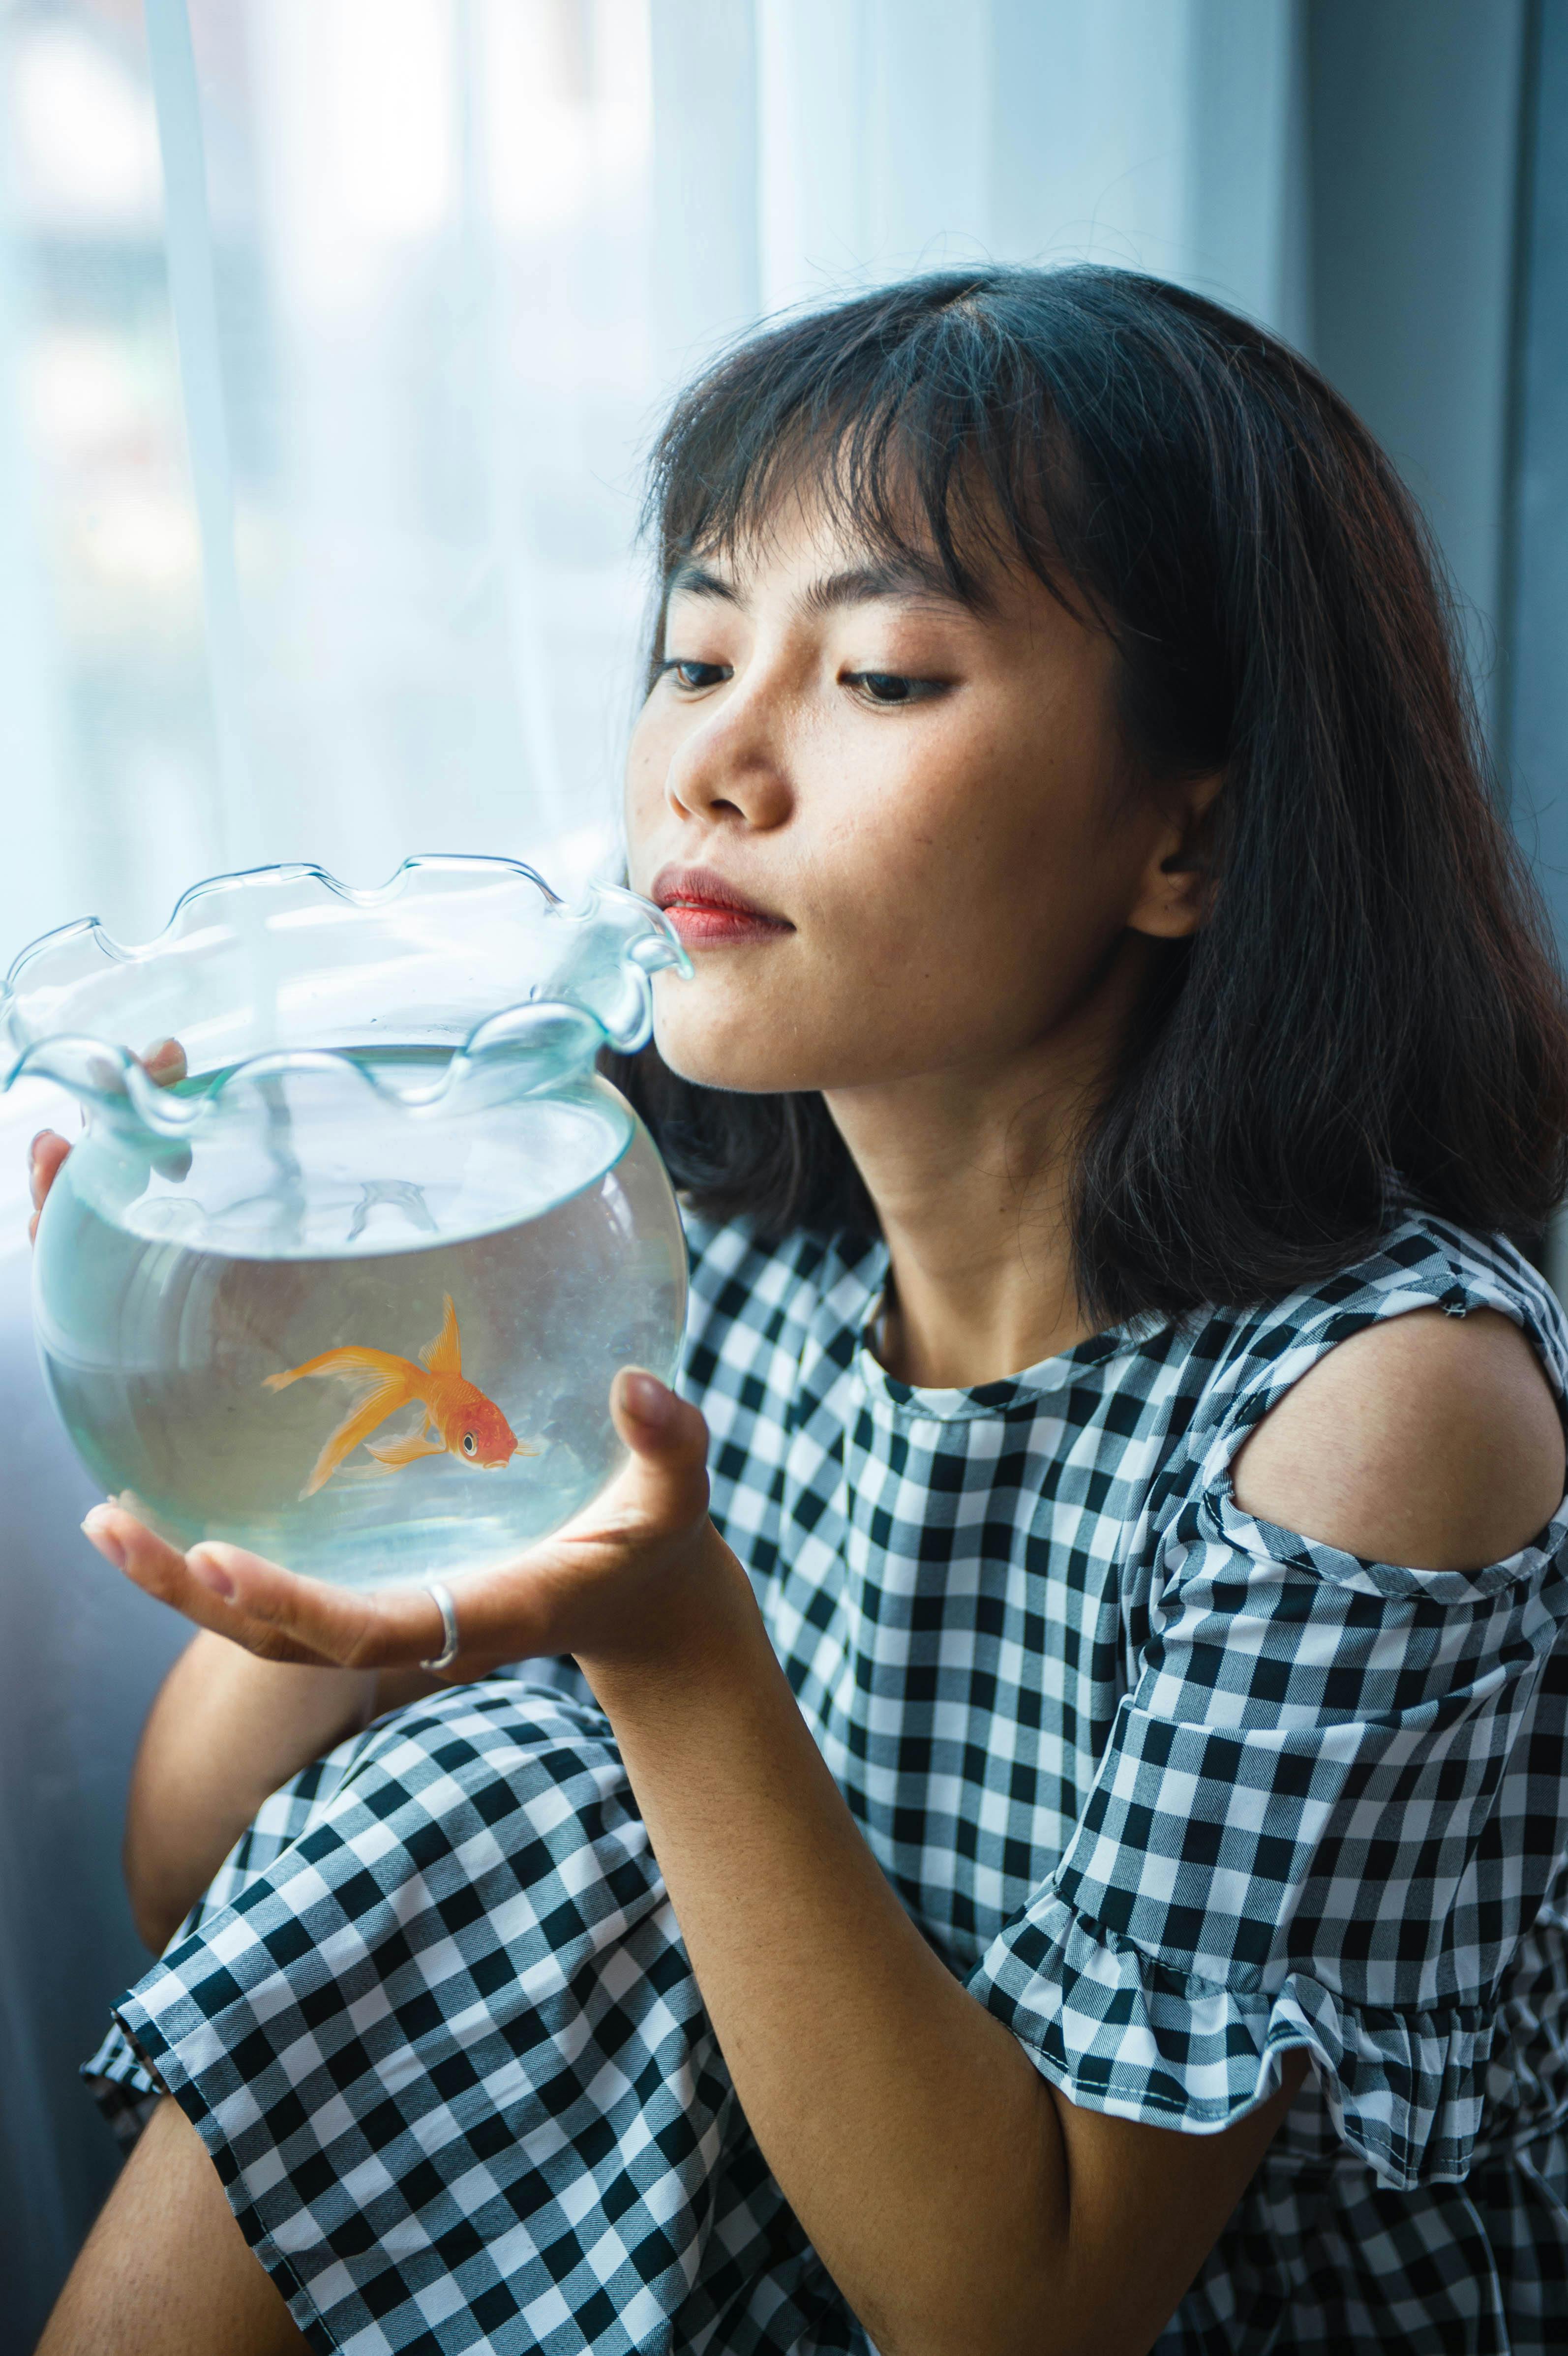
(1170, 1788)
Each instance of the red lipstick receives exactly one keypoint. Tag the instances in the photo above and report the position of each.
(710, 913)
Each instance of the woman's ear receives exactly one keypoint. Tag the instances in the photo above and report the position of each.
(1173, 899)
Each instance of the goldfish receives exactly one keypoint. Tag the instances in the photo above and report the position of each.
(458, 1420)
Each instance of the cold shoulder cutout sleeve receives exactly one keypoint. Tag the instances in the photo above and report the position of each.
(1293, 1836)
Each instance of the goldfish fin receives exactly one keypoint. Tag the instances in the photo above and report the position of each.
(354, 1365)
(445, 1354)
(390, 1393)
(391, 1453)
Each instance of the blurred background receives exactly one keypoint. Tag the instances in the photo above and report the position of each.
(331, 335)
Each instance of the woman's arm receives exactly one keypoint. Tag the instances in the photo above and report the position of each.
(963, 2206)
(225, 1731)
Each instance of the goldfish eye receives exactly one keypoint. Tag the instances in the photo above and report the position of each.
(469, 1443)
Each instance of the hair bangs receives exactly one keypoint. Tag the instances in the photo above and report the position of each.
(922, 440)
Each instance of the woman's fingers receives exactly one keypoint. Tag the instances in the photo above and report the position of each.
(129, 1545)
(395, 1627)
(280, 1616)
(161, 1571)
(522, 1610)
(284, 1617)
(667, 1482)
(165, 1063)
(45, 1156)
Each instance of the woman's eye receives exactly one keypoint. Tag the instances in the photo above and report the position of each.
(893, 687)
(695, 675)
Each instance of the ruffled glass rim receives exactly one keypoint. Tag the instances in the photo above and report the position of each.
(569, 978)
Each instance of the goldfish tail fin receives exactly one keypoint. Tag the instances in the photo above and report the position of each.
(445, 1354)
(390, 1392)
(354, 1365)
(391, 1453)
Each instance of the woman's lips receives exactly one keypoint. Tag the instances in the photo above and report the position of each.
(709, 913)
(701, 924)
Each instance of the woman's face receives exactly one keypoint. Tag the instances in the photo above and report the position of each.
(921, 807)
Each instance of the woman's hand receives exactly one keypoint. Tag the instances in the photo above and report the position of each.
(48, 1152)
(622, 1582)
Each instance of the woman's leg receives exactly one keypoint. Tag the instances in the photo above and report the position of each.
(447, 2050)
(166, 2271)
(445, 2047)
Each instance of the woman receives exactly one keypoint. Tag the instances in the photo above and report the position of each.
(1053, 1837)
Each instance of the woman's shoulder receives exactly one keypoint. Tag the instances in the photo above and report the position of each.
(1421, 1262)
(1411, 1407)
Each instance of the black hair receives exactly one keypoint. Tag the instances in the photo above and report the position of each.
(1371, 1007)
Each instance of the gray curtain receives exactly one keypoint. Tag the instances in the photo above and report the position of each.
(1536, 704)
(81, 1654)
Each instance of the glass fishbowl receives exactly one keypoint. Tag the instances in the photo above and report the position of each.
(353, 1292)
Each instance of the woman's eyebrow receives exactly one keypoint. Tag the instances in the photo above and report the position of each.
(691, 579)
(908, 577)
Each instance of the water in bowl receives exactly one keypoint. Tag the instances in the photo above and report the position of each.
(173, 1295)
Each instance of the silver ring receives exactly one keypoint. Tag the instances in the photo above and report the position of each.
(441, 1596)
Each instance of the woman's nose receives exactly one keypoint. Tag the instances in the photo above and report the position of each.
(734, 764)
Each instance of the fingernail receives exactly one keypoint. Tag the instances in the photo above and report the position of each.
(98, 1533)
(203, 1564)
(646, 1398)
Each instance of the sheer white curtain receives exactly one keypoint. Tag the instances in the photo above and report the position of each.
(331, 332)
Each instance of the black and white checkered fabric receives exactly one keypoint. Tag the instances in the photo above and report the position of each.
(1172, 1790)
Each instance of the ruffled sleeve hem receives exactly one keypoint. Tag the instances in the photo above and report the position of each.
(122, 2086)
(1118, 2031)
